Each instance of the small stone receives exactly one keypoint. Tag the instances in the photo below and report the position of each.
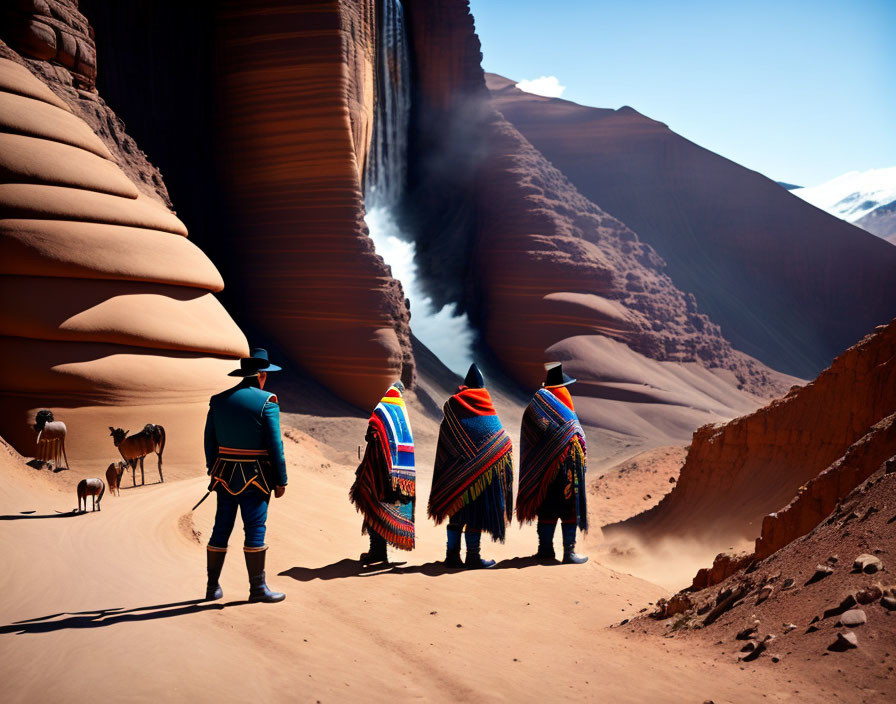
(869, 564)
(623, 622)
(755, 652)
(750, 646)
(868, 594)
(788, 583)
(764, 594)
(748, 631)
(460, 625)
(776, 658)
(672, 480)
(821, 571)
(788, 627)
(845, 641)
(833, 560)
(889, 603)
(853, 617)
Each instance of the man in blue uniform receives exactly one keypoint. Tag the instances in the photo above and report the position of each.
(244, 456)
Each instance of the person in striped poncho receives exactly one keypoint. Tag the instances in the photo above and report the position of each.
(472, 484)
(384, 491)
(552, 467)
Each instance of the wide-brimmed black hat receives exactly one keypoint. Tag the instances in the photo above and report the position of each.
(474, 379)
(258, 362)
(556, 376)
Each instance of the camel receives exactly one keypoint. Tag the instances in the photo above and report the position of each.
(91, 487)
(137, 447)
(50, 439)
(113, 477)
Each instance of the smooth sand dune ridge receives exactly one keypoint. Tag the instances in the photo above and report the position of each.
(105, 303)
(109, 609)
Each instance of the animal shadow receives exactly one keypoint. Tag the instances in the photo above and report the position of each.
(28, 515)
(341, 570)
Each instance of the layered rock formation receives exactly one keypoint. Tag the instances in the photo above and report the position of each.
(106, 303)
(298, 85)
(763, 264)
(817, 443)
(545, 273)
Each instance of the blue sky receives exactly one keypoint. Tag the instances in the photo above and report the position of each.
(800, 91)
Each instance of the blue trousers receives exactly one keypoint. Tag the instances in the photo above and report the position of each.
(253, 505)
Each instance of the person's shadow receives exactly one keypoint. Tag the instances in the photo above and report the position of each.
(108, 617)
(347, 568)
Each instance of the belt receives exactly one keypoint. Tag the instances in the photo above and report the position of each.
(238, 454)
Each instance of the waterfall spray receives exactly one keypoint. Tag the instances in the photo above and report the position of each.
(443, 331)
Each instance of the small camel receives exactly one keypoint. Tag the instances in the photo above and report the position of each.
(136, 447)
(50, 439)
(113, 477)
(90, 487)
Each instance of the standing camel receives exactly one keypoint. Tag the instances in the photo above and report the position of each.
(50, 439)
(91, 487)
(136, 447)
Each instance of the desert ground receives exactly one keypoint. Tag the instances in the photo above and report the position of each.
(108, 604)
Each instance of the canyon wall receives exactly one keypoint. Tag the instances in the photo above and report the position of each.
(736, 474)
(298, 90)
(109, 314)
(789, 284)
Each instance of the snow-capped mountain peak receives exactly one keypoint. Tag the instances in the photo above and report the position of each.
(854, 194)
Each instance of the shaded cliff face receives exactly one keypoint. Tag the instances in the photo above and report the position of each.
(543, 272)
(106, 303)
(737, 473)
(766, 266)
(298, 85)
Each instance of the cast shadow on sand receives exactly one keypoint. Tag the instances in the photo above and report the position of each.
(108, 617)
(27, 515)
(347, 568)
(40, 464)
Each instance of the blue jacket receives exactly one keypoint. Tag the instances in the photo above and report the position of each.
(245, 418)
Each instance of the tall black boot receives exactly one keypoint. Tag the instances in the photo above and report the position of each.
(452, 550)
(473, 560)
(569, 546)
(214, 562)
(258, 590)
(377, 552)
(546, 541)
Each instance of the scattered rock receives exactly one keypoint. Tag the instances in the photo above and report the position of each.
(889, 603)
(845, 641)
(868, 594)
(776, 658)
(848, 602)
(853, 617)
(788, 627)
(741, 591)
(672, 480)
(869, 564)
(748, 631)
(756, 651)
(821, 571)
(788, 583)
(679, 603)
(833, 560)
(764, 594)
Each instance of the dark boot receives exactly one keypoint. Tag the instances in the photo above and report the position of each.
(569, 546)
(546, 541)
(377, 552)
(452, 552)
(214, 562)
(473, 561)
(258, 590)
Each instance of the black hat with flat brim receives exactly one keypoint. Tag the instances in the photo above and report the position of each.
(556, 376)
(258, 362)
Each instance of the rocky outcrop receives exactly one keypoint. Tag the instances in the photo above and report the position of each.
(881, 222)
(787, 283)
(106, 302)
(818, 497)
(298, 80)
(737, 473)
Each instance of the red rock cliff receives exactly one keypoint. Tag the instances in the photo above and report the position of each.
(297, 88)
(737, 473)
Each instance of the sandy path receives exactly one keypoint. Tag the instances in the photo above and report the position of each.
(104, 605)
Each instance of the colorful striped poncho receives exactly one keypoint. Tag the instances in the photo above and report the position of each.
(385, 486)
(551, 441)
(473, 476)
